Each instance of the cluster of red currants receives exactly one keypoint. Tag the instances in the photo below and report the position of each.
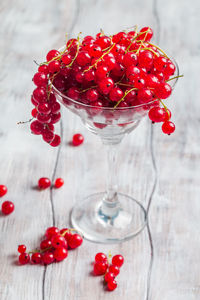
(109, 270)
(120, 70)
(54, 248)
(7, 207)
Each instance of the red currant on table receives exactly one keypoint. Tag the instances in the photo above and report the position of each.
(112, 284)
(56, 141)
(51, 231)
(44, 183)
(36, 258)
(118, 260)
(77, 139)
(58, 241)
(21, 248)
(60, 253)
(100, 268)
(101, 257)
(109, 277)
(24, 258)
(114, 269)
(3, 190)
(75, 241)
(7, 207)
(58, 183)
(45, 244)
(47, 258)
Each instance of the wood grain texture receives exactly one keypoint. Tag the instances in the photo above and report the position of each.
(160, 171)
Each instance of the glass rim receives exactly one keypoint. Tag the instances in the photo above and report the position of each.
(117, 108)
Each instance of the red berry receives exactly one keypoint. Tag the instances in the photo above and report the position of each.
(112, 284)
(55, 118)
(44, 108)
(51, 231)
(132, 71)
(101, 72)
(151, 81)
(54, 66)
(47, 258)
(75, 241)
(7, 207)
(116, 94)
(44, 119)
(43, 69)
(163, 90)
(45, 244)
(139, 82)
(100, 268)
(157, 114)
(118, 260)
(89, 75)
(101, 257)
(56, 141)
(147, 35)
(34, 112)
(58, 183)
(36, 127)
(167, 115)
(44, 183)
(168, 127)
(160, 63)
(130, 59)
(3, 190)
(106, 85)
(145, 59)
(104, 42)
(67, 235)
(83, 58)
(77, 139)
(55, 107)
(21, 248)
(73, 93)
(109, 277)
(47, 135)
(92, 95)
(40, 95)
(51, 54)
(60, 253)
(144, 96)
(36, 258)
(24, 258)
(114, 269)
(40, 79)
(58, 241)
(66, 59)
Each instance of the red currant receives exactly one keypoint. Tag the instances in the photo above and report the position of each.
(36, 258)
(47, 258)
(44, 183)
(112, 284)
(52, 54)
(58, 183)
(24, 258)
(21, 248)
(114, 269)
(163, 90)
(157, 114)
(75, 241)
(51, 231)
(118, 260)
(7, 207)
(36, 127)
(58, 241)
(77, 139)
(101, 257)
(3, 190)
(40, 79)
(147, 35)
(168, 127)
(60, 253)
(109, 277)
(45, 244)
(56, 141)
(100, 268)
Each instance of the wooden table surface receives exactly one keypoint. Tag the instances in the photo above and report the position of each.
(163, 262)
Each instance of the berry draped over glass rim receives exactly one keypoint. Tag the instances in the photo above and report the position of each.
(116, 72)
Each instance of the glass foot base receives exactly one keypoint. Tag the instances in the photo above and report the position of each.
(88, 218)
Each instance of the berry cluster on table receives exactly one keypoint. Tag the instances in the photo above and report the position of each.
(106, 71)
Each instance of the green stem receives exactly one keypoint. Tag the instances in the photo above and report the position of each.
(126, 93)
(175, 77)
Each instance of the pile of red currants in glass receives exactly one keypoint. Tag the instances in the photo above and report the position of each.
(120, 70)
(54, 248)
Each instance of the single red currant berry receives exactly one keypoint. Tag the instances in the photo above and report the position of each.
(36, 258)
(60, 253)
(101, 71)
(67, 233)
(109, 277)
(116, 94)
(36, 127)
(45, 244)
(47, 258)
(101, 257)
(73, 93)
(55, 118)
(56, 141)
(100, 268)
(168, 127)
(163, 90)
(34, 112)
(44, 183)
(170, 69)
(160, 63)
(90, 75)
(139, 82)
(7, 207)
(40, 95)
(144, 96)
(104, 42)
(66, 59)
(92, 95)
(106, 85)
(132, 71)
(95, 51)
(145, 59)
(58, 183)
(21, 248)
(118, 260)
(51, 54)
(83, 58)
(146, 35)
(44, 119)
(43, 69)
(40, 79)
(24, 258)
(58, 241)
(51, 231)
(75, 241)
(44, 108)
(151, 81)
(112, 285)
(130, 59)
(47, 135)
(157, 114)
(54, 66)
(35, 103)
(3, 190)
(55, 107)
(114, 269)
(77, 139)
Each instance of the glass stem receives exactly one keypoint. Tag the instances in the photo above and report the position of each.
(110, 205)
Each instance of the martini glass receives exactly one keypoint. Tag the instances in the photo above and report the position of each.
(109, 216)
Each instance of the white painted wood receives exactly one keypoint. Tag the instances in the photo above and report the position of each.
(29, 30)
